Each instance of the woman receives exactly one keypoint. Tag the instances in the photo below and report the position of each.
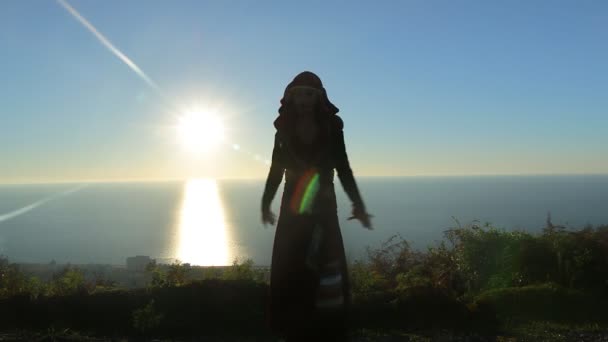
(309, 288)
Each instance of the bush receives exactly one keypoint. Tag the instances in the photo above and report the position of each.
(366, 282)
(146, 318)
(581, 257)
(477, 258)
(394, 267)
(487, 257)
(175, 274)
(243, 271)
(13, 282)
(68, 281)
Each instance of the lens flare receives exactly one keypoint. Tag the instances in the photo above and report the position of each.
(306, 191)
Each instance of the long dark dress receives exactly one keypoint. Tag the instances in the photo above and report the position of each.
(309, 285)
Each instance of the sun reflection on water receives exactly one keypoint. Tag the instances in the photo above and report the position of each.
(202, 231)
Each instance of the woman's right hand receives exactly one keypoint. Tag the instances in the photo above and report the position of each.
(268, 217)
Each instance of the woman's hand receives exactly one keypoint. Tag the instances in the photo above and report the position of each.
(363, 217)
(268, 217)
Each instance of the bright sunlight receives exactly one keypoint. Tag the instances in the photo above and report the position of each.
(200, 129)
(202, 225)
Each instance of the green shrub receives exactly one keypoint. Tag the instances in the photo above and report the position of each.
(365, 281)
(394, 257)
(477, 258)
(417, 276)
(242, 271)
(177, 274)
(68, 281)
(9, 283)
(582, 257)
(146, 318)
(14, 282)
(440, 264)
(157, 277)
(487, 257)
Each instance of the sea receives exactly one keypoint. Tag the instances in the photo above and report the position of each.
(217, 222)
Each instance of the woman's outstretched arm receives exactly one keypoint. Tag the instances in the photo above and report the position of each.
(347, 179)
(275, 175)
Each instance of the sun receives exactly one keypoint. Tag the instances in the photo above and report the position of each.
(200, 130)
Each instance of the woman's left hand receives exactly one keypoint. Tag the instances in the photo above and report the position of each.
(363, 217)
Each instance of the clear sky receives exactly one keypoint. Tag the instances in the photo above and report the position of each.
(424, 87)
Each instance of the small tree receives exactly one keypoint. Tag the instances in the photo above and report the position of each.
(242, 271)
(70, 280)
(157, 276)
(177, 274)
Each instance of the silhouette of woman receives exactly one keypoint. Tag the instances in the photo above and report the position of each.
(309, 285)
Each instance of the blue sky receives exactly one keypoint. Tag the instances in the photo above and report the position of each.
(424, 87)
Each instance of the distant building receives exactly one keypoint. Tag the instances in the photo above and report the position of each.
(138, 263)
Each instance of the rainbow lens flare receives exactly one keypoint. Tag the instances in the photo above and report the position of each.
(306, 192)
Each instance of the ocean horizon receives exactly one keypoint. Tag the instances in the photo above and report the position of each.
(213, 222)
